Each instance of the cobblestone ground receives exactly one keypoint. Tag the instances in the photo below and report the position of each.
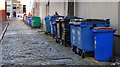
(23, 45)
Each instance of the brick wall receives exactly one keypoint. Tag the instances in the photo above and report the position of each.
(3, 10)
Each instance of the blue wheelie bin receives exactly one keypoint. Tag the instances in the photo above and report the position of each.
(77, 36)
(53, 19)
(29, 20)
(85, 38)
(103, 43)
(72, 36)
(47, 23)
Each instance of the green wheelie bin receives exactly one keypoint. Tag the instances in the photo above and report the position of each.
(36, 22)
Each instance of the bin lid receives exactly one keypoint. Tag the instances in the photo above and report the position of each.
(71, 23)
(47, 16)
(60, 20)
(56, 16)
(76, 23)
(76, 20)
(72, 17)
(34, 16)
(103, 28)
(94, 20)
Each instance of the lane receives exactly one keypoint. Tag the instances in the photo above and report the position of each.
(23, 45)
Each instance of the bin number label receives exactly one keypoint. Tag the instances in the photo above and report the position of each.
(95, 43)
(78, 36)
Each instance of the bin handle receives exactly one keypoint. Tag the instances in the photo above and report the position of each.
(94, 25)
(83, 25)
(107, 25)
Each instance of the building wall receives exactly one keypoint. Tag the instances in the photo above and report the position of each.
(57, 7)
(42, 14)
(101, 10)
(2, 10)
(60, 7)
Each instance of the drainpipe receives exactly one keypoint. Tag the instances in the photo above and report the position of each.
(47, 7)
(5, 9)
(71, 7)
(11, 13)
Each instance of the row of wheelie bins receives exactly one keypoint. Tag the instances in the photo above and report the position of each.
(33, 21)
(83, 35)
(63, 30)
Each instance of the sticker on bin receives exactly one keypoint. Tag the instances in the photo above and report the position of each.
(78, 32)
(73, 39)
(78, 35)
(95, 43)
(73, 31)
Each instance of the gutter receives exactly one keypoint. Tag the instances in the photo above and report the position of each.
(3, 33)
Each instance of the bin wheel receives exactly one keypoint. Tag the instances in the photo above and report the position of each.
(83, 54)
(46, 33)
(73, 49)
(53, 37)
(60, 42)
(112, 59)
(66, 45)
(80, 52)
(57, 41)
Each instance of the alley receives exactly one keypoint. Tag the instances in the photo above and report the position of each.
(23, 45)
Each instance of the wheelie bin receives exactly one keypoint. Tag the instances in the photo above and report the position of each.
(35, 21)
(103, 43)
(85, 39)
(58, 28)
(29, 20)
(65, 32)
(73, 37)
(48, 26)
(26, 19)
(53, 19)
(76, 35)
